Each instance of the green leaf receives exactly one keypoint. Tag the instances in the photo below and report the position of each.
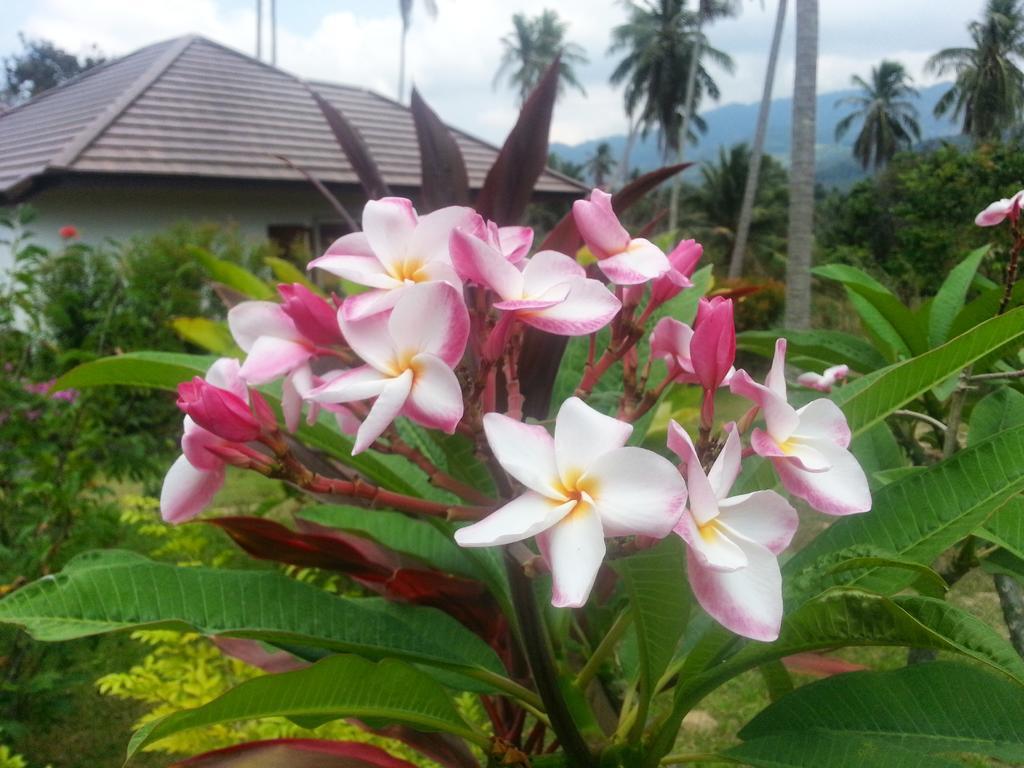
(871, 398)
(919, 517)
(818, 750)
(455, 454)
(998, 410)
(286, 272)
(337, 687)
(208, 334)
(1006, 527)
(232, 275)
(656, 582)
(109, 591)
(815, 349)
(940, 707)
(985, 306)
(951, 296)
(157, 370)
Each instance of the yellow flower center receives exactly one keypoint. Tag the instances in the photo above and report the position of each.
(407, 271)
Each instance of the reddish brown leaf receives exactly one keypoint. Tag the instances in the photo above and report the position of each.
(819, 665)
(256, 654)
(443, 171)
(440, 747)
(296, 753)
(355, 149)
(509, 184)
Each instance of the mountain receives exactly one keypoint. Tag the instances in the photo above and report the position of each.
(733, 123)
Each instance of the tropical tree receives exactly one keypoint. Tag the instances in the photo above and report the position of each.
(405, 8)
(754, 167)
(659, 41)
(713, 208)
(531, 47)
(600, 164)
(41, 65)
(800, 244)
(888, 119)
(988, 92)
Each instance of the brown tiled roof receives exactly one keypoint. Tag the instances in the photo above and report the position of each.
(195, 108)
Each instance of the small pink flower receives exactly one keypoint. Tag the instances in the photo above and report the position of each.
(996, 212)
(823, 382)
(683, 258)
(807, 447)
(67, 232)
(713, 346)
(217, 410)
(733, 541)
(624, 260)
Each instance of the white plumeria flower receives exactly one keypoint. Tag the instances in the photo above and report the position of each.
(807, 447)
(409, 358)
(733, 541)
(581, 486)
(824, 381)
(395, 250)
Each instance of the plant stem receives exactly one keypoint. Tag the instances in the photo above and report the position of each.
(690, 757)
(538, 652)
(921, 417)
(604, 648)
(436, 475)
(996, 376)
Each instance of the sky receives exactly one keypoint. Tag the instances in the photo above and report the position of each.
(453, 57)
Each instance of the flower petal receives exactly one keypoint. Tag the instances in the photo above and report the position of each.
(779, 416)
(599, 226)
(371, 339)
(587, 308)
(521, 518)
(364, 270)
(385, 409)
(389, 224)
(548, 269)
(439, 272)
(635, 491)
(670, 340)
(526, 451)
(763, 517)
(515, 242)
(703, 503)
(574, 549)
(187, 491)
(434, 230)
(747, 601)
(822, 419)
(360, 306)
(352, 244)
(480, 263)
(350, 386)
(271, 357)
(641, 262)
(435, 400)
(726, 469)
(225, 373)
(710, 544)
(251, 319)
(582, 435)
(840, 490)
(431, 318)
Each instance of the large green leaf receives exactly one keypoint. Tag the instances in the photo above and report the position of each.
(940, 707)
(232, 275)
(454, 454)
(872, 398)
(211, 335)
(108, 591)
(156, 370)
(827, 750)
(337, 687)
(656, 583)
(816, 349)
(998, 410)
(951, 296)
(919, 517)
(851, 617)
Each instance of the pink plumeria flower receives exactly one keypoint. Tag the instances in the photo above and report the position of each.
(196, 476)
(807, 446)
(409, 356)
(552, 292)
(670, 340)
(824, 381)
(581, 486)
(996, 212)
(683, 260)
(624, 260)
(713, 345)
(733, 541)
(396, 249)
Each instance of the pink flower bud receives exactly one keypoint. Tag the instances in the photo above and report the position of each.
(683, 258)
(262, 410)
(217, 411)
(314, 317)
(713, 347)
(599, 226)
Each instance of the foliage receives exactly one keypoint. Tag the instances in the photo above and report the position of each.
(888, 225)
(40, 66)
(888, 120)
(531, 47)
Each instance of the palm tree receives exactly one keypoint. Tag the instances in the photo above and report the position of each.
(739, 248)
(889, 120)
(659, 41)
(600, 164)
(531, 47)
(801, 168)
(405, 8)
(988, 92)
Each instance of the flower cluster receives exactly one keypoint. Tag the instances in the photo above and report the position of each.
(436, 337)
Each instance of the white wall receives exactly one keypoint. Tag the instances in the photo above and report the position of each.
(100, 211)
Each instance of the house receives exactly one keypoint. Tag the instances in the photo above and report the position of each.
(188, 129)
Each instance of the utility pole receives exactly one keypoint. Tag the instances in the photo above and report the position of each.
(259, 29)
(273, 32)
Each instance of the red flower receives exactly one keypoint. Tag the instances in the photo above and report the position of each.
(68, 232)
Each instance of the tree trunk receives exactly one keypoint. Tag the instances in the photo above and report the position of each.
(757, 150)
(401, 65)
(801, 170)
(622, 174)
(684, 129)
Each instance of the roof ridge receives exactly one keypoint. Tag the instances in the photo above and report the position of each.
(70, 153)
